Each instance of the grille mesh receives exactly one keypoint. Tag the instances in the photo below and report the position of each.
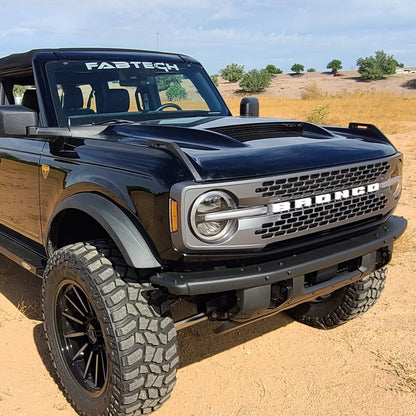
(303, 186)
(310, 219)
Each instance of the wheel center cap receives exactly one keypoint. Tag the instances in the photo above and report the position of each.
(92, 335)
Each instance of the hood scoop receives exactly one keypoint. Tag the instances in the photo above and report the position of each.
(247, 132)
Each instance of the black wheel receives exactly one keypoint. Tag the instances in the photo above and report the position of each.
(168, 105)
(343, 305)
(114, 353)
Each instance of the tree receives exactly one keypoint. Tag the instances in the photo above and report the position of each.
(255, 80)
(272, 69)
(297, 68)
(232, 72)
(19, 90)
(335, 65)
(176, 92)
(376, 67)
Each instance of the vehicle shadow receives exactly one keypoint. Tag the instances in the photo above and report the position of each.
(199, 342)
(21, 288)
(195, 343)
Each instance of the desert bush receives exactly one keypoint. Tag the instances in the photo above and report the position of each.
(376, 67)
(297, 68)
(176, 92)
(312, 92)
(318, 115)
(335, 65)
(232, 72)
(255, 80)
(214, 79)
(311, 70)
(272, 69)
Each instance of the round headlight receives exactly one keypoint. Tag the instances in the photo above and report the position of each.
(396, 175)
(213, 229)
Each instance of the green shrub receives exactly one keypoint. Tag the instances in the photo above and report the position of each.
(215, 79)
(232, 72)
(255, 80)
(376, 67)
(318, 115)
(311, 70)
(273, 69)
(176, 92)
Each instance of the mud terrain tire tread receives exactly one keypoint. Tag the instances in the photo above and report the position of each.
(142, 349)
(343, 305)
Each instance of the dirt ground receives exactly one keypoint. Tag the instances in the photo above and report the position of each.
(272, 367)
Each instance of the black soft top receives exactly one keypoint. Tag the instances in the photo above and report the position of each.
(24, 60)
(19, 60)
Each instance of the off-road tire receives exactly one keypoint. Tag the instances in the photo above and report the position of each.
(344, 304)
(129, 364)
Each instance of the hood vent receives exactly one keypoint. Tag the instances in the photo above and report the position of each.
(247, 132)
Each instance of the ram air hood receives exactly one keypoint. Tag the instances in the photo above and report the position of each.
(237, 147)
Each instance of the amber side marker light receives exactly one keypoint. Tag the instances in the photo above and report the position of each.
(173, 216)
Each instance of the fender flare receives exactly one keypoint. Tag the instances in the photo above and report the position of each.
(121, 229)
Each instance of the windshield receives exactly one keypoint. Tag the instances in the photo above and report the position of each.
(90, 92)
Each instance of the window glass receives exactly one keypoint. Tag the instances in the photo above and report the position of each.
(18, 92)
(85, 92)
(181, 90)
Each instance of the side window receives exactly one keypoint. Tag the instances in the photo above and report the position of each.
(76, 99)
(26, 95)
(19, 91)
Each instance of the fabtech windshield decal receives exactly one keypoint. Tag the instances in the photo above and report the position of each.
(161, 66)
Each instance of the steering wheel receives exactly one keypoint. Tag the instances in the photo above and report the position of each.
(167, 105)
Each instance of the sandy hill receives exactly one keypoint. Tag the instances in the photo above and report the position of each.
(291, 86)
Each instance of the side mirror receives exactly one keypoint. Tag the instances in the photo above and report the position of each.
(15, 119)
(249, 107)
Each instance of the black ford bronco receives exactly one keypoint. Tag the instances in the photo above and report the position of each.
(128, 187)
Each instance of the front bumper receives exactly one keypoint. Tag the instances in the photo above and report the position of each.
(364, 247)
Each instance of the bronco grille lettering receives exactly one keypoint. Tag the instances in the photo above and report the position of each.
(324, 198)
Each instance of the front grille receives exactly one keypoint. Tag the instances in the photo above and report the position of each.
(305, 185)
(323, 216)
(298, 204)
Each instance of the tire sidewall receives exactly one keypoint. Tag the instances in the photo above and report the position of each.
(344, 304)
(53, 282)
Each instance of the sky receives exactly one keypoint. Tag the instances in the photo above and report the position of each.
(247, 32)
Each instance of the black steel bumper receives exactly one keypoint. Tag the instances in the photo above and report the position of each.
(364, 246)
